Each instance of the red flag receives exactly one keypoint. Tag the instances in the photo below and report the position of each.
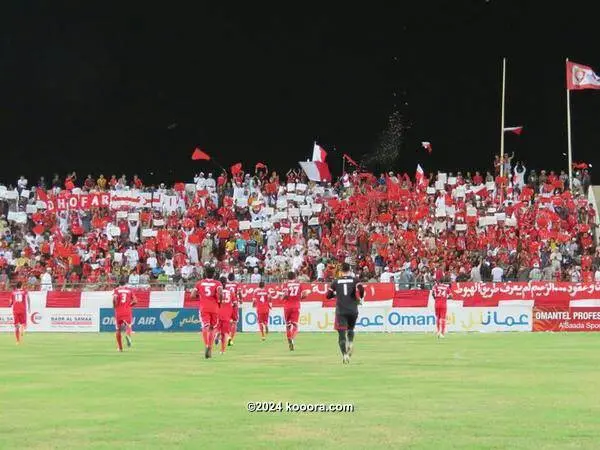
(236, 168)
(350, 160)
(42, 195)
(260, 165)
(199, 155)
(581, 77)
(427, 146)
(581, 165)
(515, 130)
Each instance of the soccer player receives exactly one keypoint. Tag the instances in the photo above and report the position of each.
(123, 300)
(292, 293)
(19, 300)
(210, 292)
(441, 294)
(225, 314)
(233, 286)
(349, 293)
(262, 303)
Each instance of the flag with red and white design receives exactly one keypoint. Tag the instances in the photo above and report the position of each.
(420, 176)
(427, 146)
(581, 77)
(316, 170)
(319, 153)
(515, 130)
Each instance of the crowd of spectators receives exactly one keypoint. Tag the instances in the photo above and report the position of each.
(388, 227)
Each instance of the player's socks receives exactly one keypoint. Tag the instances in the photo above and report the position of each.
(262, 330)
(266, 329)
(443, 327)
(346, 359)
(206, 352)
(342, 341)
(119, 341)
(223, 343)
(288, 332)
(18, 335)
(206, 337)
(350, 342)
(291, 344)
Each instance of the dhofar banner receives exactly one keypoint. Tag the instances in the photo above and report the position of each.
(69, 320)
(566, 319)
(459, 319)
(155, 319)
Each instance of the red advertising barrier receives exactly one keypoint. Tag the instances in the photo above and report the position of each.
(566, 319)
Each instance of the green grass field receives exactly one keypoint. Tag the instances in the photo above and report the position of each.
(513, 391)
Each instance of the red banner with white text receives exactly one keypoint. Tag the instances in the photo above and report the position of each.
(78, 202)
(546, 293)
(566, 319)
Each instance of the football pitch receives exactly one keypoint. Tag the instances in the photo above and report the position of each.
(488, 391)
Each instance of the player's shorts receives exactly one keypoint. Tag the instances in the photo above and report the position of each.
(441, 311)
(19, 318)
(291, 315)
(209, 319)
(235, 315)
(345, 321)
(224, 326)
(123, 321)
(263, 317)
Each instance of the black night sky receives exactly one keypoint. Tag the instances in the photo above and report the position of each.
(133, 89)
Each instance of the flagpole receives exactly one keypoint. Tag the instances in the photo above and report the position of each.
(570, 149)
(502, 117)
(343, 165)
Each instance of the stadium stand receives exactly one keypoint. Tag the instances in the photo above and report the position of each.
(391, 227)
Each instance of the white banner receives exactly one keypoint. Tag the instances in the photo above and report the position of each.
(55, 320)
(459, 319)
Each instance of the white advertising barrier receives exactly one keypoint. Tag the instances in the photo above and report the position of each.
(377, 319)
(74, 320)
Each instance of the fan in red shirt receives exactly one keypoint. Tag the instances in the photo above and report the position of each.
(210, 292)
(225, 313)
(262, 303)
(233, 286)
(19, 300)
(441, 293)
(292, 293)
(123, 300)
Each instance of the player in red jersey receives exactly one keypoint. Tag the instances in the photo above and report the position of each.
(233, 286)
(210, 292)
(441, 294)
(19, 300)
(123, 300)
(225, 314)
(262, 303)
(292, 293)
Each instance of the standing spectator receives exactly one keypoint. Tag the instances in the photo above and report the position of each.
(497, 274)
(46, 280)
(255, 278)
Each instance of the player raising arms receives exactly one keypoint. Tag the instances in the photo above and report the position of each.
(262, 303)
(225, 314)
(441, 293)
(292, 293)
(123, 300)
(234, 287)
(210, 292)
(348, 292)
(19, 300)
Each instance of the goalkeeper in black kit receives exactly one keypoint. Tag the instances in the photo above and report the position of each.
(349, 293)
